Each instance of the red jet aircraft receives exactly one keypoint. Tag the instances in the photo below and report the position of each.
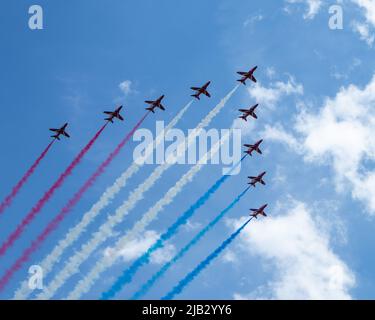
(201, 90)
(155, 104)
(258, 212)
(60, 132)
(249, 112)
(114, 114)
(257, 179)
(253, 147)
(247, 75)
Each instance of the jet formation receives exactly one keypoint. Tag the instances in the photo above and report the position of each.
(157, 104)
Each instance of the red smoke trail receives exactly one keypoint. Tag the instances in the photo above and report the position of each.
(38, 207)
(8, 200)
(68, 207)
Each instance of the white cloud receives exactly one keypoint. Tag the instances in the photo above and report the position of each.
(136, 247)
(299, 253)
(246, 127)
(368, 6)
(313, 7)
(126, 87)
(250, 21)
(340, 134)
(269, 96)
(363, 29)
(277, 133)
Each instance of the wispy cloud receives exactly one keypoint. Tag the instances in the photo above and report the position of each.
(313, 7)
(339, 134)
(303, 261)
(136, 247)
(126, 87)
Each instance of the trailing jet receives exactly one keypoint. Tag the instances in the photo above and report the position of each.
(201, 90)
(155, 104)
(247, 75)
(257, 179)
(114, 114)
(60, 132)
(253, 147)
(258, 212)
(249, 112)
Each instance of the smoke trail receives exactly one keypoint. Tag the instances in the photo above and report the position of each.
(129, 273)
(8, 200)
(67, 208)
(147, 286)
(203, 265)
(38, 207)
(107, 229)
(73, 234)
(85, 284)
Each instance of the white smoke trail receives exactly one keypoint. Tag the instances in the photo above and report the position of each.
(110, 193)
(104, 263)
(107, 229)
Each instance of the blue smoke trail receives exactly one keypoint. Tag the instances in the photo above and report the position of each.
(204, 264)
(147, 286)
(129, 273)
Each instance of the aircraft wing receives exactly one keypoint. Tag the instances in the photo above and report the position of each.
(150, 102)
(242, 73)
(66, 135)
(195, 88)
(243, 110)
(120, 117)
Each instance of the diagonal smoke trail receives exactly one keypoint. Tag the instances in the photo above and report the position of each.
(68, 207)
(8, 200)
(148, 285)
(129, 273)
(46, 197)
(110, 193)
(107, 229)
(203, 265)
(85, 284)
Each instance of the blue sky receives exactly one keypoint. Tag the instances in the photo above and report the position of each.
(318, 149)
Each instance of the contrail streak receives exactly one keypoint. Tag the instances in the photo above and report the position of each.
(85, 284)
(67, 208)
(110, 193)
(8, 200)
(203, 265)
(38, 207)
(107, 229)
(129, 273)
(148, 285)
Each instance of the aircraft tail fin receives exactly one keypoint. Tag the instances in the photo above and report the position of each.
(196, 96)
(150, 109)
